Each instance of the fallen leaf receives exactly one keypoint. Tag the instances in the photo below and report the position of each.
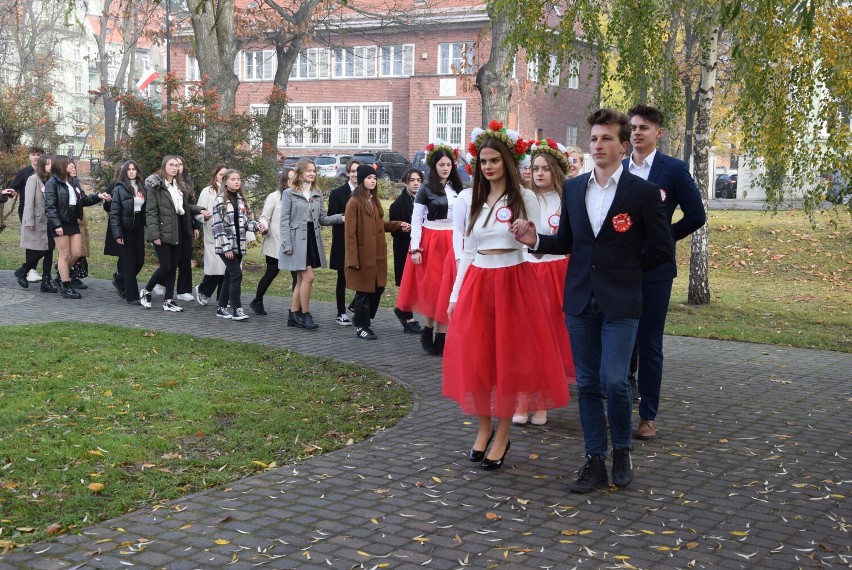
(222, 541)
(362, 553)
(691, 545)
(493, 516)
(53, 529)
(96, 487)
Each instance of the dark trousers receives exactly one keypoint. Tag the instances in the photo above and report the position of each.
(366, 306)
(131, 258)
(340, 293)
(169, 257)
(649, 344)
(32, 256)
(267, 278)
(184, 276)
(232, 283)
(210, 284)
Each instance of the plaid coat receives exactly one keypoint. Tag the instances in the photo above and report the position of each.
(224, 228)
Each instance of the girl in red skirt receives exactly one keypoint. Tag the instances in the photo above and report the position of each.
(549, 168)
(492, 358)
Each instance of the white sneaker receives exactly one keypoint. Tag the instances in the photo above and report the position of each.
(159, 290)
(145, 298)
(185, 297)
(201, 297)
(169, 305)
(343, 320)
(33, 276)
(239, 315)
(539, 418)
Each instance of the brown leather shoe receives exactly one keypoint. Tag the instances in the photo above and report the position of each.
(646, 430)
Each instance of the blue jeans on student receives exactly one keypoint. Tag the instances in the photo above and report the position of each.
(601, 347)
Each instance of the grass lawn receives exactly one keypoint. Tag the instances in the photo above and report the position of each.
(99, 420)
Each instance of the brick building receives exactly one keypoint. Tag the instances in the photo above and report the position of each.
(362, 86)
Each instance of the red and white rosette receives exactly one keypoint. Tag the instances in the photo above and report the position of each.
(504, 214)
(622, 222)
(553, 221)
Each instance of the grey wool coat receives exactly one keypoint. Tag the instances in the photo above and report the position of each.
(34, 222)
(296, 212)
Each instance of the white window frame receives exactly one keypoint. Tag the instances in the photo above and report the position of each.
(193, 72)
(574, 75)
(533, 71)
(401, 55)
(374, 126)
(355, 61)
(450, 54)
(259, 65)
(571, 132)
(434, 127)
(77, 116)
(312, 63)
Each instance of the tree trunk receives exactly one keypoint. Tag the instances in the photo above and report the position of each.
(699, 284)
(492, 79)
(216, 47)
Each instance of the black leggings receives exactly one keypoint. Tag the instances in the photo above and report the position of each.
(340, 293)
(267, 279)
(31, 257)
(169, 256)
(366, 306)
(232, 284)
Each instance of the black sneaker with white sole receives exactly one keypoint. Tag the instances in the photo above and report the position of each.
(169, 306)
(239, 315)
(343, 320)
(222, 313)
(365, 333)
(145, 298)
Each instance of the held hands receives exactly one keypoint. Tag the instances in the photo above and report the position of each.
(206, 215)
(10, 192)
(229, 255)
(261, 228)
(406, 227)
(524, 232)
(105, 196)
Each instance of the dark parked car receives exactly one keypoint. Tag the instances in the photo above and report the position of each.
(389, 165)
(726, 186)
(419, 162)
(289, 162)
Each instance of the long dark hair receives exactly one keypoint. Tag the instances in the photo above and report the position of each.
(284, 179)
(454, 179)
(482, 186)
(369, 198)
(124, 179)
(213, 182)
(184, 176)
(59, 166)
(41, 168)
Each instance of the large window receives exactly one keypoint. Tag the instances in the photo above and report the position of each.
(354, 125)
(574, 75)
(312, 63)
(259, 65)
(397, 60)
(446, 121)
(455, 58)
(571, 136)
(357, 61)
(549, 76)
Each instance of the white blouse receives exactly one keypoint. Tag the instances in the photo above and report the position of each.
(548, 223)
(490, 233)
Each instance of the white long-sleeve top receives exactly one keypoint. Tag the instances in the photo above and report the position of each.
(551, 208)
(490, 233)
(461, 211)
(421, 211)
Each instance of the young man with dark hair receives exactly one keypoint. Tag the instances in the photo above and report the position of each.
(19, 183)
(677, 188)
(337, 201)
(614, 227)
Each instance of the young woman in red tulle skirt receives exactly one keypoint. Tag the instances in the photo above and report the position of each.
(431, 245)
(495, 352)
(549, 168)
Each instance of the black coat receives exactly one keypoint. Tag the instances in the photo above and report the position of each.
(337, 201)
(121, 216)
(56, 206)
(610, 265)
(20, 183)
(401, 210)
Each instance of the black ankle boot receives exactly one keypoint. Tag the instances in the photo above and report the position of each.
(440, 338)
(294, 319)
(427, 341)
(308, 321)
(46, 285)
(21, 275)
(67, 291)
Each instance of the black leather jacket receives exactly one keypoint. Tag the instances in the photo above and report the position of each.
(121, 214)
(56, 208)
(436, 204)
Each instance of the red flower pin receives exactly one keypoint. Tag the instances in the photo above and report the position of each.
(551, 143)
(430, 146)
(495, 125)
(471, 148)
(468, 169)
(622, 222)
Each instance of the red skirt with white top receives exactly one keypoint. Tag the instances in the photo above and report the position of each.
(448, 278)
(496, 350)
(421, 283)
(551, 276)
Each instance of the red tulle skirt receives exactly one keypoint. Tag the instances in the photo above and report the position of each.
(497, 351)
(421, 284)
(551, 277)
(448, 279)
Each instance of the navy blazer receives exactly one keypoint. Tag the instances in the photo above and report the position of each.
(677, 188)
(610, 265)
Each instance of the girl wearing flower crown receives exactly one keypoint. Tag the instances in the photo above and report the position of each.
(492, 359)
(431, 244)
(549, 168)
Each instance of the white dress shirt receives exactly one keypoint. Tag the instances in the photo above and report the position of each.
(599, 198)
(643, 170)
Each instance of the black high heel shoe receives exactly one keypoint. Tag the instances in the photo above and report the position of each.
(492, 464)
(474, 455)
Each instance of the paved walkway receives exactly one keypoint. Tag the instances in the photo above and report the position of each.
(751, 469)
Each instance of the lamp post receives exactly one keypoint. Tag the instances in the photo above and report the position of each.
(168, 54)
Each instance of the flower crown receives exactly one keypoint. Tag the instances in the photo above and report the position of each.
(437, 145)
(496, 130)
(554, 149)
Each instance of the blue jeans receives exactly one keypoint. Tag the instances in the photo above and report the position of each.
(601, 347)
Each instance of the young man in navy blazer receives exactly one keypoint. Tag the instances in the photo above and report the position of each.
(608, 217)
(677, 188)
